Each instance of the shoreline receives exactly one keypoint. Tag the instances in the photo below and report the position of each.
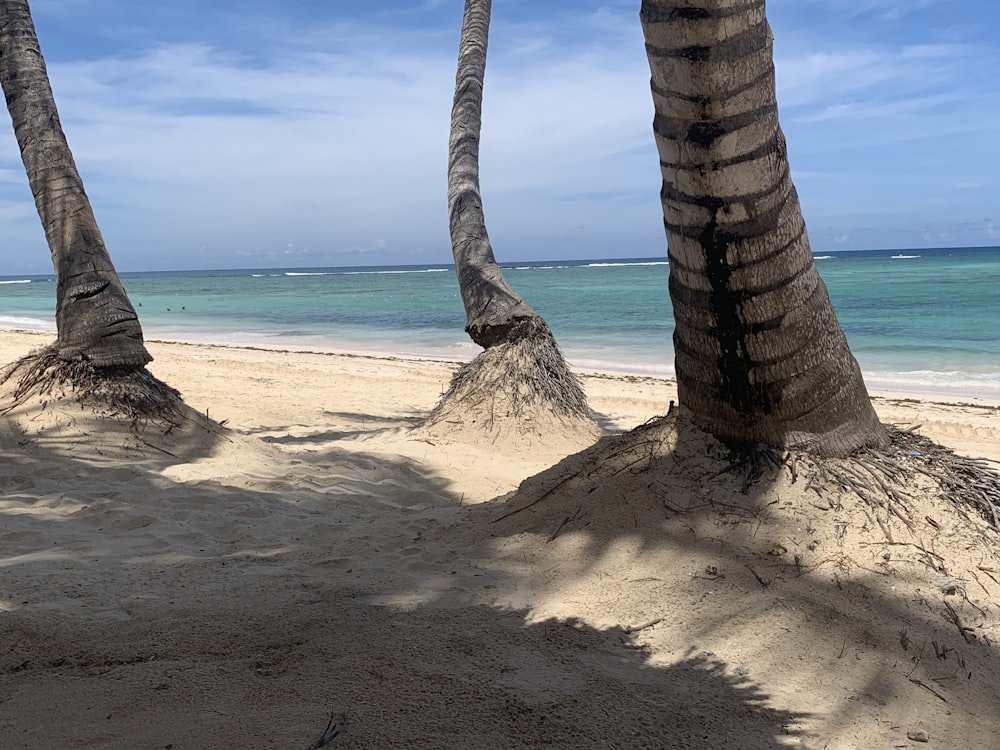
(919, 392)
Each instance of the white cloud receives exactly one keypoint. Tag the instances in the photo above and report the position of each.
(327, 146)
(887, 10)
(894, 72)
(250, 132)
(858, 110)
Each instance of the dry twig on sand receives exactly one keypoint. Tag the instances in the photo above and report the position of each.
(336, 726)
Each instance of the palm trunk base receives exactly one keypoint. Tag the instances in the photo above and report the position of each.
(809, 435)
(522, 381)
(671, 465)
(128, 393)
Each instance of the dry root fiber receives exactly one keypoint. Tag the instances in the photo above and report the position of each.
(888, 482)
(887, 479)
(127, 393)
(524, 380)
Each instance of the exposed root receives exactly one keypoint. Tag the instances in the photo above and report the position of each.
(618, 460)
(652, 458)
(510, 381)
(128, 393)
(895, 523)
(886, 480)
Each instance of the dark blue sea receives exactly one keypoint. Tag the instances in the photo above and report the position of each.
(915, 319)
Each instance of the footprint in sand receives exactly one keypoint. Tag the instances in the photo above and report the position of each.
(15, 484)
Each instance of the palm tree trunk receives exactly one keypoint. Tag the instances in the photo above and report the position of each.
(760, 357)
(521, 377)
(494, 311)
(94, 318)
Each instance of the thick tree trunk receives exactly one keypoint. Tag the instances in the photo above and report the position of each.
(760, 357)
(94, 318)
(494, 312)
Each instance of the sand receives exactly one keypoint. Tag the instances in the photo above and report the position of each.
(323, 559)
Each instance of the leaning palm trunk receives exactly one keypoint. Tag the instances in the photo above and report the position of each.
(99, 354)
(94, 319)
(494, 311)
(521, 366)
(760, 357)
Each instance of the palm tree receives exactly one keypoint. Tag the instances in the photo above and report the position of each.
(98, 332)
(760, 356)
(521, 360)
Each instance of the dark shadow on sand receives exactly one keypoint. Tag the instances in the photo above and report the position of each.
(268, 639)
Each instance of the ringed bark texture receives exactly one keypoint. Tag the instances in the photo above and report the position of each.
(760, 356)
(495, 313)
(94, 318)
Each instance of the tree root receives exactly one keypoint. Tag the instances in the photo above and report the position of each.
(886, 479)
(517, 379)
(129, 393)
(672, 449)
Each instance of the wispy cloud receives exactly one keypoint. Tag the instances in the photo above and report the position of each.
(210, 135)
(852, 10)
(345, 134)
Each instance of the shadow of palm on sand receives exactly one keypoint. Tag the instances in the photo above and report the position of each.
(218, 590)
(835, 606)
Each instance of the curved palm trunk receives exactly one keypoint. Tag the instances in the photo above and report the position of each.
(94, 318)
(760, 357)
(494, 311)
(520, 378)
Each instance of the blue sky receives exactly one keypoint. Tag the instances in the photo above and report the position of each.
(314, 132)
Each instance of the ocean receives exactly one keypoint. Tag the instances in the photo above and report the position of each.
(920, 320)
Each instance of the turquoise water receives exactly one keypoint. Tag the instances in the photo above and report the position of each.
(918, 319)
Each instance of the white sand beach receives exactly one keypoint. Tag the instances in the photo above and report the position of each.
(322, 557)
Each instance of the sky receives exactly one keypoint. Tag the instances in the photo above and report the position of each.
(307, 133)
